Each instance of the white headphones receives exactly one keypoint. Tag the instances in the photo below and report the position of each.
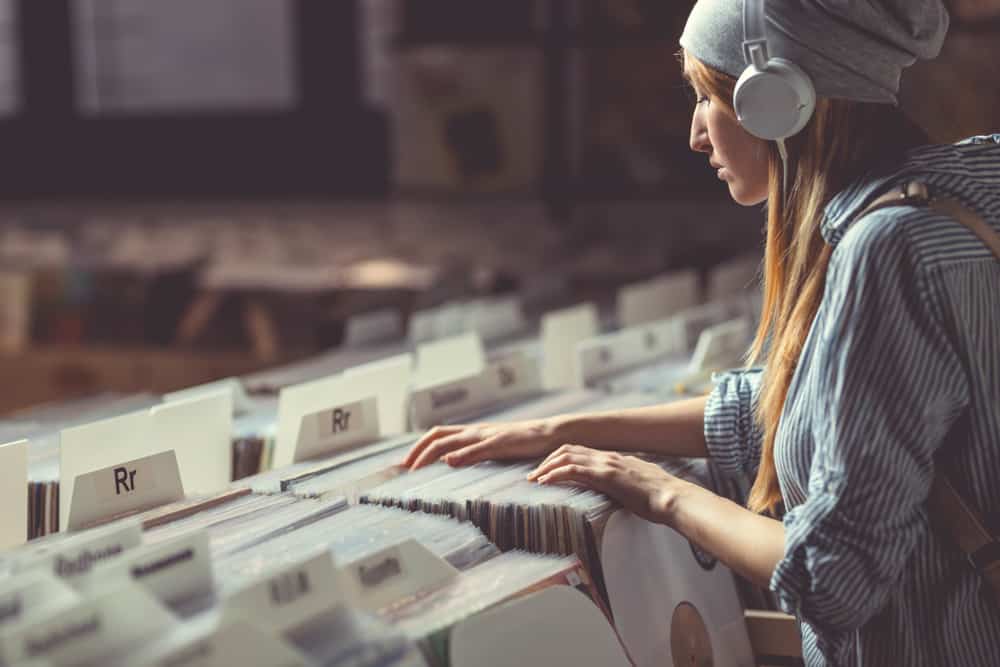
(774, 97)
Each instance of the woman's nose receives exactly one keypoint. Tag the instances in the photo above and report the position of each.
(699, 135)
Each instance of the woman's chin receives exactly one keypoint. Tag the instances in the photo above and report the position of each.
(743, 196)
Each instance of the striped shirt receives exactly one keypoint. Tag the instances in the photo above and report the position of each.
(898, 380)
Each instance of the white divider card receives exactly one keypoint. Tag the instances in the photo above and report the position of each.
(77, 555)
(562, 330)
(102, 444)
(91, 631)
(389, 381)
(216, 642)
(675, 598)
(296, 401)
(174, 571)
(242, 403)
(200, 431)
(514, 376)
(13, 499)
(124, 488)
(619, 351)
(395, 573)
(338, 428)
(449, 359)
(494, 319)
(33, 595)
(287, 597)
(657, 298)
(378, 326)
(721, 346)
(736, 276)
(558, 625)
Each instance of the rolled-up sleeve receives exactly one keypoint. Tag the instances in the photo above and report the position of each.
(732, 434)
(885, 385)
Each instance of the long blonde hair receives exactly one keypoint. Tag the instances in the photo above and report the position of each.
(841, 141)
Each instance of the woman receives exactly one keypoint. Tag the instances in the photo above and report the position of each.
(880, 350)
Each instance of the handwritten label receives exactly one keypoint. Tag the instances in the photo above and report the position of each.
(13, 499)
(31, 595)
(91, 630)
(379, 326)
(122, 489)
(394, 573)
(290, 596)
(505, 379)
(174, 571)
(337, 429)
(77, 555)
(657, 299)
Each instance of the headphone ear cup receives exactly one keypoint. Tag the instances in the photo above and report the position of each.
(774, 103)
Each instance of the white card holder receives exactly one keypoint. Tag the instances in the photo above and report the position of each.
(174, 571)
(657, 298)
(90, 631)
(76, 555)
(394, 573)
(617, 352)
(125, 488)
(219, 642)
(558, 625)
(290, 596)
(337, 429)
(33, 595)
(378, 326)
(506, 379)
(720, 346)
(13, 498)
(562, 330)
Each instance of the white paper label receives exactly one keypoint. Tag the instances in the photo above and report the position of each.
(290, 596)
(13, 494)
(91, 630)
(337, 429)
(77, 555)
(228, 643)
(514, 376)
(395, 573)
(173, 571)
(449, 359)
(657, 299)
(128, 487)
(562, 330)
(721, 346)
(379, 326)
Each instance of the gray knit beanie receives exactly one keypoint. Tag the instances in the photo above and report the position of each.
(852, 49)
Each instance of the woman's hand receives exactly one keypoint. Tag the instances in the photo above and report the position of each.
(465, 445)
(643, 488)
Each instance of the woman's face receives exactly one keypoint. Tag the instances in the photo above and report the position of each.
(739, 157)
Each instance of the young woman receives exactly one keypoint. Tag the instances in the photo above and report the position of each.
(879, 346)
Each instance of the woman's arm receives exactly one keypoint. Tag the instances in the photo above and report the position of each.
(672, 429)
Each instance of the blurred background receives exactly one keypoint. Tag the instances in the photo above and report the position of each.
(192, 189)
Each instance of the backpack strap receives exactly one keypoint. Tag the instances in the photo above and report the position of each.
(948, 508)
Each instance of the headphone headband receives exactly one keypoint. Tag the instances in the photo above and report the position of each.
(755, 50)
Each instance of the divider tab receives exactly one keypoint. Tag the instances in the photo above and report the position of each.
(337, 429)
(657, 298)
(389, 381)
(13, 497)
(394, 573)
(562, 330)
(721, 346)
(622, 350)
(449, 359)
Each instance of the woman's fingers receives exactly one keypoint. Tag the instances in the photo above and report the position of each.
(438, 448)
(578, 456)
(561, 452)
(435, 433)
(489, 449)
